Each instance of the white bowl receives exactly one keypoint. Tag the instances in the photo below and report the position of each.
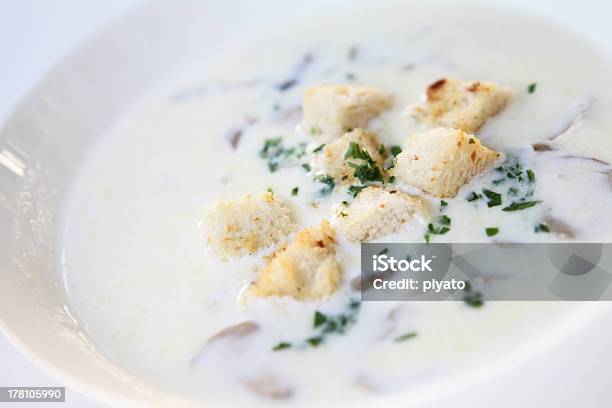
(43, 142)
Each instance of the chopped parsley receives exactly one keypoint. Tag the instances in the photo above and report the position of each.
(319, 319)
(395, 150)
(355, 190)
(530, 176)
(276, 154)
(343, 214)
(517, 206)
(471, 297)
(441, 225)
(521, 189)
(405, 337)
(491, 231)
(318, 148)
(473, 196)
(306, 167)
(328, 182)
(326, 325)
(367, 172)
(294, 191)
(494, 199)
(281, 346)
(531, 88)
(392, 179)
(382, 150)
(315, 341)
(541, 228)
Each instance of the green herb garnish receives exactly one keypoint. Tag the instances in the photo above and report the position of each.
(281, 346)
(492, 231)
(532, 87)
(405, 337)
(471, 297)
(517, 206)
(306, 167)
(530, 176)
(315, 341)
(473, 196)
(318, 148)
(328, 181)
(395, 150)
(319, 319)
(542, 228)
(276, 154)
(368, 170)
(494, 198)
(326, 325)
(294, 191)
(355, 190)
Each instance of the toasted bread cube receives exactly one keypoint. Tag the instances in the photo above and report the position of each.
(306, 268)
(332, 110)
(241, 227)
(442, 160)
(331, 160)
(377, 212)
(461, 104)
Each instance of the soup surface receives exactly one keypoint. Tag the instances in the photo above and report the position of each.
(150, 295)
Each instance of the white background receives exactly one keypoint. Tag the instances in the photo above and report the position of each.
(34, 36)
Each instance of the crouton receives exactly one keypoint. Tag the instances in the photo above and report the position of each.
(306, 268)
(331, 110)
(241, 227)
(332, 162)
(442, 160)
(377, 212)
(461, 104)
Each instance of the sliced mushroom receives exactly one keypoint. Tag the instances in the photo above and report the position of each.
(235, 135)
(269, 386)
(593, 159)
(236, 331)
(542, 147)
(559, 228)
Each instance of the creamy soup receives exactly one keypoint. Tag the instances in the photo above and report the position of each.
(150, 295)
